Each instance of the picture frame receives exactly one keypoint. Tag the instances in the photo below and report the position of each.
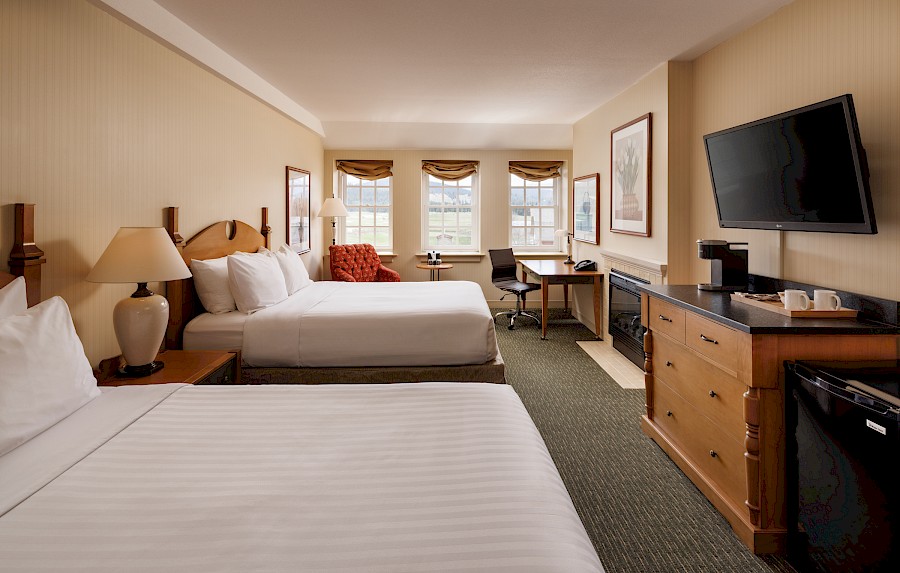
(630, 170)
(586, 209)
(298, 209)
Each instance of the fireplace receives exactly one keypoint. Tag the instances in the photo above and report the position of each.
(625, 315)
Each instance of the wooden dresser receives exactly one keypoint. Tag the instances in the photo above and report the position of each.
(714, 373)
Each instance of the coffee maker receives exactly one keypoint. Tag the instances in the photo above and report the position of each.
(728, 266)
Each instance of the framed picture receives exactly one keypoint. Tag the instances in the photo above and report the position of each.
(298, 218)
(585, 211)
(630, 171)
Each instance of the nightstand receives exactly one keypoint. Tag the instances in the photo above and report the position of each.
(185, 366)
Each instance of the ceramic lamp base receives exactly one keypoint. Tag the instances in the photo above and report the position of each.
(140, 324)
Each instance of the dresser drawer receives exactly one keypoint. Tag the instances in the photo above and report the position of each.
(712, 391)
(719, 457)
(667, 319)
(713, 340)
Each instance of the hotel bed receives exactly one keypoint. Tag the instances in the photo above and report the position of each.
(335, 324)
(401, 477)
(338, 332)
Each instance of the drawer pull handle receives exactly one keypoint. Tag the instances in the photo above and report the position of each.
(707, 339)
(669, 413)
(665, 318)
(712, 393)
(668, 363)
(713, 454)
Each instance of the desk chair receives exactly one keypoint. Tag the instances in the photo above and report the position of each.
(503, 275)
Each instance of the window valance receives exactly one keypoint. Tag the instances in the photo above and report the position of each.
(369, 169)
(536, 170)
(450, 170)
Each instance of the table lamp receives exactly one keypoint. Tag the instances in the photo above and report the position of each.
(140, 255)
(568, 236)
(334, 208)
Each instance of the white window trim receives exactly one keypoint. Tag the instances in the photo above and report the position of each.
(341, 221)
(558, 245)
(475, 248)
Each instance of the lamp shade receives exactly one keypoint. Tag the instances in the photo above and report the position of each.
(561, 232)
(139, 255)
(333, 207)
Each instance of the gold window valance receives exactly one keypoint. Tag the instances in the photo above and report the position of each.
(450, 170)
(536, 170)
(369, 169)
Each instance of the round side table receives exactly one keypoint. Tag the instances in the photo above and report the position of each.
(435, 269)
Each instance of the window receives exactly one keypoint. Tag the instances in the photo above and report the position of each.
(450, 214)
(535, 213)
(369, 211)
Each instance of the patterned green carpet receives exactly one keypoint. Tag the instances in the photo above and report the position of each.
(641, 512)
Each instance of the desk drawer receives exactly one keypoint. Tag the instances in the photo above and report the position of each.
(719, 457)
(713, 340)
(713, 392)
(667, 319)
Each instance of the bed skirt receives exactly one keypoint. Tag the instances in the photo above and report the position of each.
(492, 372)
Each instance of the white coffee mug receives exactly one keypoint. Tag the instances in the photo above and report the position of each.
(826, 300)
(796, 300)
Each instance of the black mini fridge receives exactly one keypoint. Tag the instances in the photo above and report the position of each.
(842, 462)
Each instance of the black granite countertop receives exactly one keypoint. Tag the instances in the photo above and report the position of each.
(719, 307)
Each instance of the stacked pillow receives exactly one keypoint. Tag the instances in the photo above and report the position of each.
(249, 282)
(44, 373)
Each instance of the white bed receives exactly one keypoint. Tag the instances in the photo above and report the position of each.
(336, 324)
(406, 477)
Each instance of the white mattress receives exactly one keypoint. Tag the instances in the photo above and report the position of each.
(337, 324)
(215, 331)
(421, 477)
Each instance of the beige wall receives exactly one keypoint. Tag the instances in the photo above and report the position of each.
(104, 127)
(495, 215)
(809, 51)
(591, 154)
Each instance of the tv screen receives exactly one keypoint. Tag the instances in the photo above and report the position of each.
(803, 170)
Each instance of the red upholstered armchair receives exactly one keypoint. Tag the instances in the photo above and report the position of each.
(359, 263)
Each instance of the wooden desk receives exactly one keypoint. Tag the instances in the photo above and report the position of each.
(558, 273)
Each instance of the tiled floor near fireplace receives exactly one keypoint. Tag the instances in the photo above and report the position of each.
(622, 370)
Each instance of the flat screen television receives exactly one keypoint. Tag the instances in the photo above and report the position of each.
(803, 170)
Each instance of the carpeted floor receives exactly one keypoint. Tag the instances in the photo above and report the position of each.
(641, 512)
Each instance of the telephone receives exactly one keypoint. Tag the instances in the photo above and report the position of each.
(586, 265)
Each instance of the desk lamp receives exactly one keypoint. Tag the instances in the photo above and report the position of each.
(140, 255)
(568, 236)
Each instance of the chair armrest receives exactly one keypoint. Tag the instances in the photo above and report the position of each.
(387, 275)
(342, 275)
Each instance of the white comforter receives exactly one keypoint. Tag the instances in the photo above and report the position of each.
(373, 324)
(421, 477)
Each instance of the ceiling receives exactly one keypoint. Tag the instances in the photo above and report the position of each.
(358, 63)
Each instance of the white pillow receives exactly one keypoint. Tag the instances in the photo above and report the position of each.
(256, 281)
(13, 298)
(296, 276)
(211, 282)
(44, 374)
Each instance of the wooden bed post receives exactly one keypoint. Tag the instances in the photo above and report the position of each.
(175, 289)
(26, 258)
(265, 230)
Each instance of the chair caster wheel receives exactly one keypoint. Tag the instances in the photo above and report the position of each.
(510, 327)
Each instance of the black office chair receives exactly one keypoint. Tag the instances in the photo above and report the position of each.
(503, 275)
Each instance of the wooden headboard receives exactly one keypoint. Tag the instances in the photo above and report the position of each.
(25, 258)
(218, 240)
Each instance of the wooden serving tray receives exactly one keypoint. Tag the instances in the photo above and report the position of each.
(777, 306)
